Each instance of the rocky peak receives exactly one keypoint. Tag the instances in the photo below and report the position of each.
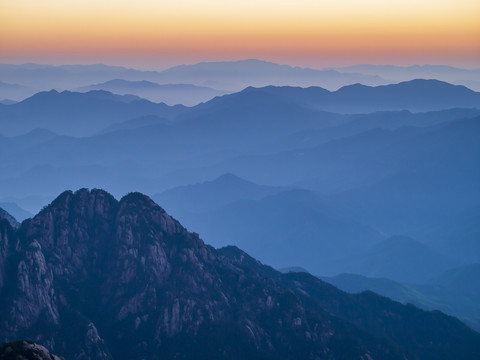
(25, 350)
(137, 284)
(141, 211)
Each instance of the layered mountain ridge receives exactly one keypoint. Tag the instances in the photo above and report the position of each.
(90, 277)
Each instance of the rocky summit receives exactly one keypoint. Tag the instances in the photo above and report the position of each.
(90, 277)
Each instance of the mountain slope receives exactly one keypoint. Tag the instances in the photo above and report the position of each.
(138, 285)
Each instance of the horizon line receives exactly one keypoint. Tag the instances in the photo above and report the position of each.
(145, 69)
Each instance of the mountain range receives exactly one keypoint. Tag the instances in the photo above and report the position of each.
(313, 106)
(227, 76)
(296, 221)
(455, 292)
(170, 94)
(305, 229)
(367, 182)
(76, 114)
(372, 176)
(466, 77)
(136, 284)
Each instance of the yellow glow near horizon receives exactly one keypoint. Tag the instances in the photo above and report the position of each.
(248, 28)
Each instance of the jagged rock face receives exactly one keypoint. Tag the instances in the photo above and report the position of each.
(36, 293)
(25, 350)
(5, 234)
(95, 278)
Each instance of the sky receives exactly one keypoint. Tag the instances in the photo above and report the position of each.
(314, 33)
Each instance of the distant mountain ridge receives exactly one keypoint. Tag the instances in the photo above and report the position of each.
(296, 222)
(415, 95)
(170, 94)
(6, 216)
(76, 114)
(52, 109)
(396, 173)
(455, 292)
(467, 77)
(226, 76)
(14, 92)
(213, 195)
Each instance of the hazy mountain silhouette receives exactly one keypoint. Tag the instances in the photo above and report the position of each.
(447, 233)
(401, 259)
(436, 179)
(7, 102)
(371, 169)
(415, 95)
(467, 77)
(170, 94)
(14, 92)
(225, 76)
(76, 114)
(212, 195)
(395, 180)
(236, 75)
(298, 226)
(231, 75)
(285, 229)
(455, 292)
(16, 211)
(46, 77)
(81, 114)
(5, 215)
(358, 123)
(419, 163)
(132, 124)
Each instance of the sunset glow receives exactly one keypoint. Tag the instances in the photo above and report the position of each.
(304, 32)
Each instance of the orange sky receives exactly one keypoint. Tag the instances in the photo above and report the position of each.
(304, 32)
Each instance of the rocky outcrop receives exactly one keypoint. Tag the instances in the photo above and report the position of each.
(91, 277)
(25, 350)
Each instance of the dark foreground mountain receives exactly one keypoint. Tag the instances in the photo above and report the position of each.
(91, 277)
